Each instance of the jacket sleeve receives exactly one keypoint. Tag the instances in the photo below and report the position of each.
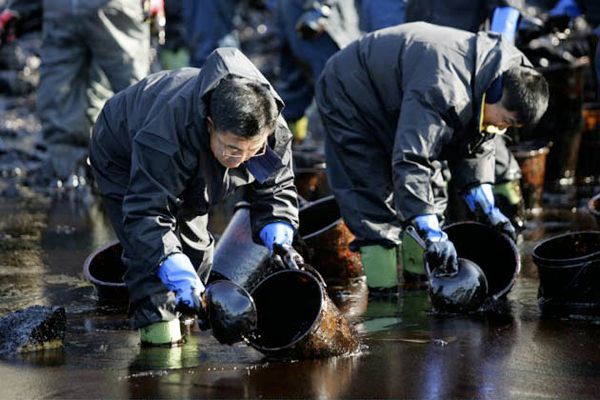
(420, 136)
(474, 168)
(159, 174)
(276, 199)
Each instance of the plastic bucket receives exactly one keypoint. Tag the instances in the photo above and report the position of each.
(588, 166)
(531, 156)
(296, 318)
(495, 253)
(328, 238)
(105, 270)
(237, 257)
(569, 271)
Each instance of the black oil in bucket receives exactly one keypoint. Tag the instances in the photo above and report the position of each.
(496, 254)
(569, 271)
(296, 318)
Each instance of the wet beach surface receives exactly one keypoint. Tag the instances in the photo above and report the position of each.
(406, 351)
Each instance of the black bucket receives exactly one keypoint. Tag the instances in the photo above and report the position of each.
(588, 166)
(569, 271)
(531, 156)
(296, 318)
(328, 240)
(495, 253)
(237, 257)
(105, 270)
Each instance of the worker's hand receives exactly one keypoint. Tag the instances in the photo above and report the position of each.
(179, 275)
(311, 24)
(480, 201)
(8, 22)
(440, 252)
(286, 256)
(281, 233)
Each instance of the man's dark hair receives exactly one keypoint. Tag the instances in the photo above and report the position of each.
(243, 107)
(526, 93)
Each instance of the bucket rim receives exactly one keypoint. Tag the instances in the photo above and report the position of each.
(88, 261)
(562, 262)
(314, 323)
(590, 205)
(513, 246)
(327, 227)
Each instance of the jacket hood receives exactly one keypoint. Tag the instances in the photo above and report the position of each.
(220, 64)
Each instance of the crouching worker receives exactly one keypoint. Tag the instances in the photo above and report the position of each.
(399, 102)
(163, 152)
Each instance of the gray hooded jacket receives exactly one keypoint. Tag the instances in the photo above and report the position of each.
(415, 90)
(151, 151)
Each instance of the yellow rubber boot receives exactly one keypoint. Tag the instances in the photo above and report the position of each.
(161, 333)
(299, 128)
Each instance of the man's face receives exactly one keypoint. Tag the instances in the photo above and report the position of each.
(498, 116)
(232, 150)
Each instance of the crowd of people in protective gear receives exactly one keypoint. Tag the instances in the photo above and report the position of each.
(408, 101)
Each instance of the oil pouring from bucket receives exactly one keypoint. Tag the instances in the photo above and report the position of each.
(462, 292)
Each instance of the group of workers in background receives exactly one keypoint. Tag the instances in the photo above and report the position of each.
(401, 112)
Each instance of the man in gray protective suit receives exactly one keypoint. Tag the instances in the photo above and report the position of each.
(397, 102)
(90, 49)
(164, 151)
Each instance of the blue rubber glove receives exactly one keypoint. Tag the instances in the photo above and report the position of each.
(179, 275)
(565, 7)
(277, 232)
(504, 21)
(440, 252)
(480, 201)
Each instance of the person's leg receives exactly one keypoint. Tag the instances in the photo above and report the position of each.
(507, 189)
(302, 62)
(362, 186)
(209, 24)
(61, 92)
(119, 42)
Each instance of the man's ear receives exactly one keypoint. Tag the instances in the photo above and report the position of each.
(210, 123)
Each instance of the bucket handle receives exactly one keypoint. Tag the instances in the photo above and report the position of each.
(291, 259)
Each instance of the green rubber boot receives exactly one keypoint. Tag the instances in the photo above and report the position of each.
(380, 265)
(413, 263)
(511, 190)
(161, 333)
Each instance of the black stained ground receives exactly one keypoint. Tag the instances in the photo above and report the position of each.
(406, 350)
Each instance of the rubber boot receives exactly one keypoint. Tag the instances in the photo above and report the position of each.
(299, 128)
(413, 263)
(381, 270)
(509, 200)
(165, 333)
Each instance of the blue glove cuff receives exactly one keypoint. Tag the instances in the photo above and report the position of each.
(277, 232)
(179, 275)
(428, 226)
(480, 197)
